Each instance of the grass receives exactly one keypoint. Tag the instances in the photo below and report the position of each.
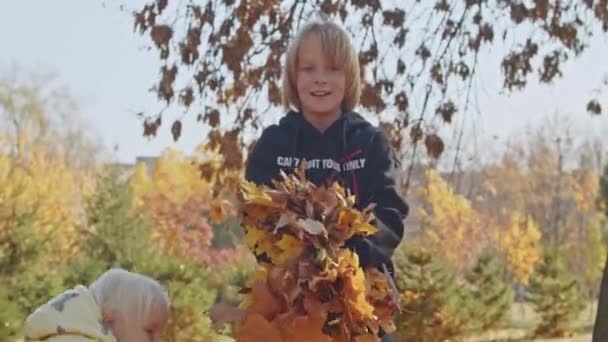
(523, 320)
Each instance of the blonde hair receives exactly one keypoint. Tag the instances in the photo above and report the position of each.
(336, 44)
(133, 295)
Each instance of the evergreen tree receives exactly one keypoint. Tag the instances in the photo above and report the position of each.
(25, 282)
(434, 305)
(555, 294)
(488, 289)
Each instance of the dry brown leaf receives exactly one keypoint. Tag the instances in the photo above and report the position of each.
(312, 227)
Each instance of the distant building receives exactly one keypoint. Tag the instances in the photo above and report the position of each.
(150, 163)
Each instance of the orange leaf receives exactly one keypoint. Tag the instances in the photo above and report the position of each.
(255, 328)
(264, 302)
(299, 328)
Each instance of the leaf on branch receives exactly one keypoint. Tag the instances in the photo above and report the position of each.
(394, 18)
(161, 5)
(400, 37)
(519, 12)
(212, 117)
(401, 101)
(233, 53)
(165, 89)
(150, 127)
(516, 65)
(446, 110)
(442, 5)
(371, 97)
(328, 7)
(274, 93)
(416, 133)
(176, 129)
(594, 107)
(434, 145)
(187, 96)
(486, 32)
(369, 56)
(463, 70)
(144, 19)
(423, 52)
(550, 68)
(400, 67)
(161, 34)
(394, 135)
(436, 73)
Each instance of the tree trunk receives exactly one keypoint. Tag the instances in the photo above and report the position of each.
(600, 329)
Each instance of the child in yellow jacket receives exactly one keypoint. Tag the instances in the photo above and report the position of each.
(119, 306)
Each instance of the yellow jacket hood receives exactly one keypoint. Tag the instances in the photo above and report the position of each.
(72, 316)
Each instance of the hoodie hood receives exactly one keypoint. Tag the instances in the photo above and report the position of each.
(340, 129)
(307, 142)
(74, 313)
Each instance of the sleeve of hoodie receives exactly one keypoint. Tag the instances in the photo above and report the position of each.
(261, 165)
(391, 210)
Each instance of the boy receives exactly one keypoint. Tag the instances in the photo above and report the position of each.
(321, 88)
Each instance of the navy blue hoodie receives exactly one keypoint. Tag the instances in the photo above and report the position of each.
(352, 152)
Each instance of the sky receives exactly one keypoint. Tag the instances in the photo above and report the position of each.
(91, 47)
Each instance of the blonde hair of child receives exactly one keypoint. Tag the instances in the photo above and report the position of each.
(133, 295)
(337, 46)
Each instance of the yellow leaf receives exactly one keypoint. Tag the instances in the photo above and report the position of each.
(291, 248)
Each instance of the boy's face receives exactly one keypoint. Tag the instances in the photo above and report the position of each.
(151, 330)
(320, 83)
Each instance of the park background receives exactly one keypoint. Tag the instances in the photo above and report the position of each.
(110, 157)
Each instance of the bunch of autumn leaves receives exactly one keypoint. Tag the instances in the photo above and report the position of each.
(310, 287)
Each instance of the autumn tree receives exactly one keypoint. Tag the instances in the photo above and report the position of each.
(221, 60)
(186, 207)
(42, 191)
(545, 174)
(520, 242)
(38, 173)
(450, 224)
